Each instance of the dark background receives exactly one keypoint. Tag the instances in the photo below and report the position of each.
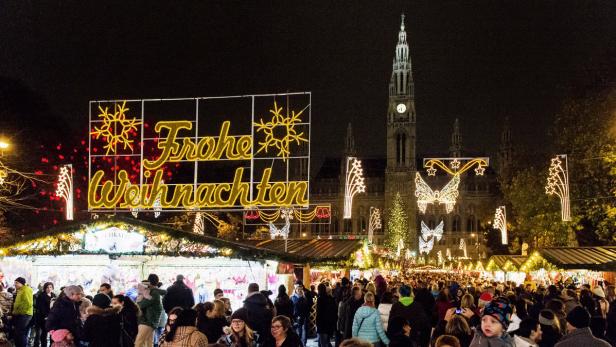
(480, 61)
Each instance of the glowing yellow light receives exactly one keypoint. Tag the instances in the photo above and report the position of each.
(500, 223)
(375, 222)
(457, 168)
(558, 184)
(278, 121)
(116, 128)
(4, 144)
(354, 184)
(199, 226)
(65, 189)
(425, 195)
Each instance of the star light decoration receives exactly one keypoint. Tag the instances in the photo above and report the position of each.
(354, 184)
(65, 189)
(558, 184)
(425, 195)
(116, 128)
(500, 223)
(375, 222)
(272, 129)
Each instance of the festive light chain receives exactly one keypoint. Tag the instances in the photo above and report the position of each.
(354, 184)
(456, 165)
(375, 222)
(318, 212)
(65, 189)
(500, 223)
(558, 184)
(425, 195)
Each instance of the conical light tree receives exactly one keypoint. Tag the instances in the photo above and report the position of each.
(397, 225)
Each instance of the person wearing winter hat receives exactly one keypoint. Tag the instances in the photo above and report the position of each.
(578, 331)
(550, 328)
(23, 308)
(494, 322)
(485, 298)
(239, 334)
(102, 327)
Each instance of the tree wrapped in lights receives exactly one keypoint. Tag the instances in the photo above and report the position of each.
(65, 189)
(354, 184)
(397, 224)
(558, 184)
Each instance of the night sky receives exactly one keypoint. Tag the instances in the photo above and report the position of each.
(479, 61)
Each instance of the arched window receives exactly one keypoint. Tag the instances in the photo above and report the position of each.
(470, 223)
(348, 226)
(455, 225)
(400, 148)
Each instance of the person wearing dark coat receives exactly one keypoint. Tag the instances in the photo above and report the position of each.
(42, 305)
(412, 311)
(350, 307)
(301, 312)
(283, 304)
(129, 313)
(327, 316)
(259, 318)
(65, 312)
(578, 331)
(102, 327)
(178, 295)
(401, 333)
(211, 319)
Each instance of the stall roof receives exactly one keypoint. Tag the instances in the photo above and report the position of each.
(592, 258)
(317, 249)
(500, 260)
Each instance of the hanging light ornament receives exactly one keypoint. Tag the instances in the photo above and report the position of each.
(65, 189)
(354, 184)
(425, 246)
(558, 184)
(437, 232)
(500, 223)
(375, 222)
(425, 195)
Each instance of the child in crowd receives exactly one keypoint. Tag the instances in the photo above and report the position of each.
(494, 322)
(62, 338)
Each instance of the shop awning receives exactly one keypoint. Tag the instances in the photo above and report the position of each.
(318, 250)
(589, 258)
(505, 262)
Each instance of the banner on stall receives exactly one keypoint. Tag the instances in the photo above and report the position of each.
(209, 153)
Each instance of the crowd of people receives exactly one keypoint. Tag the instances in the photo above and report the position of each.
(419, 309)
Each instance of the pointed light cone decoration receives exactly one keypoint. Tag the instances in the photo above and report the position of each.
(65, 189)
(558, 184)
(354, 184)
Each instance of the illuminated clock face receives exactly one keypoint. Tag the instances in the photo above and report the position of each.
(401, 108)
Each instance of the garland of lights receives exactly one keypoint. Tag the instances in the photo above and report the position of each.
(375, 222)
(500, 223)
(65, 189)
(558, 184)
(320, 212)
(354, 184)
(425, 195)
(455, 166)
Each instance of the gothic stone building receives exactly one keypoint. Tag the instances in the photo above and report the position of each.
(384, 177)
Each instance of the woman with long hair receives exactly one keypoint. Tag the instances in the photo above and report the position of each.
(283, 303)
(42, 306)
(211, 319)
(172, 317)
(129, 314)
(184, 332)
(239, 334)
(458, 327)
(283, 333)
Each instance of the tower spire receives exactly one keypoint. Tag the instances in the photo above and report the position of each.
(401, 83)
(505, 152)
(349, 147)
(455, 150)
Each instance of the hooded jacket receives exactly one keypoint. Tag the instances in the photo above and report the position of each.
(259, 316)
(367, 325)
(24, 301)
(102, 327)
(150, 310)
(415, 314)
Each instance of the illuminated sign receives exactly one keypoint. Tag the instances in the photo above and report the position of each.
(113, 240)
(221, 164)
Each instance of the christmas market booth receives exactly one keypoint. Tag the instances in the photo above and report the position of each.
(123, 251)
(572, 264)
(506, 268)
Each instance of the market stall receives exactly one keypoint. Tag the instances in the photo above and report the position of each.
(123, 251)
(572, 264)
(506, 268)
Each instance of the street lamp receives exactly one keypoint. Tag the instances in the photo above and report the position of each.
(4, 145)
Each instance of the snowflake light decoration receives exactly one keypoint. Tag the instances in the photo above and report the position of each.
(272, 129)
(116, 128)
